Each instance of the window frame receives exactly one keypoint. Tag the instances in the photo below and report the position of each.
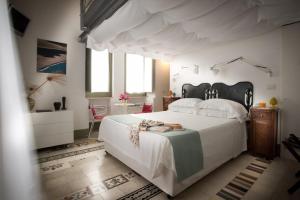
(88, 68)
(141, 94)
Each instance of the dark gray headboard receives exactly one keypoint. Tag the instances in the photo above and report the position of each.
(199, 91)
(241, 92)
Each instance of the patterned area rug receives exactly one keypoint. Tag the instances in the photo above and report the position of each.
(63, 151)
(116, 181)
(90, 152)
(238, 187)
(146, 192)
(57, 153)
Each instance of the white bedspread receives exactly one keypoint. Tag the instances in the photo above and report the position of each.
(221, 138)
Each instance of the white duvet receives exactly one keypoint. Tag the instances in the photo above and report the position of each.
(221, 138)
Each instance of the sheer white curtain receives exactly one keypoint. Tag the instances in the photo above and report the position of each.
(100, 71)
(18, 174)
(138, 74)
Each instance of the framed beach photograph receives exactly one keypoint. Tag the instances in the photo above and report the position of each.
(51, 57)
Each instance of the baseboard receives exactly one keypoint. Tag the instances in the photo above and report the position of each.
(81, 133)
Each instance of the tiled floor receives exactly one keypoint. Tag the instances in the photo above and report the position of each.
(95, 175)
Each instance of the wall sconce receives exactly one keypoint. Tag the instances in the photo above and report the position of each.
(175, 77)
(194, 69)
(216, 68)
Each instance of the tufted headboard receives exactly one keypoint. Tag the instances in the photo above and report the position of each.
(241, 92)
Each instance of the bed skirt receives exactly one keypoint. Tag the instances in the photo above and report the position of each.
(167, 182)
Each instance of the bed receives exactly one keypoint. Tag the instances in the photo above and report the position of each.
(222, 138)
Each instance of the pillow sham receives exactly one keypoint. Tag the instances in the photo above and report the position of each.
(222, 108)
(186, 102)
(212, 113)
(191, 110)
(185, 105)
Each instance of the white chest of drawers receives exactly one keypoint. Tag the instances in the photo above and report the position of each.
(53, 128)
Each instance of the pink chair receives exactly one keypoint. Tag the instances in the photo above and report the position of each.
(147, 108)
(96, 116)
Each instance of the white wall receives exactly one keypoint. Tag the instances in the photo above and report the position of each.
(58, 21)
(290, 79)
(264, 50)
(278, 50)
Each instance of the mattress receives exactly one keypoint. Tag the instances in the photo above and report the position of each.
(221, 138)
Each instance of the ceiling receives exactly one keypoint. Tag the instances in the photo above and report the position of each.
(167, 28)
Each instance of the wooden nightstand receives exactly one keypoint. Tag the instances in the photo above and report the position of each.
(167, 100)
(263, 131)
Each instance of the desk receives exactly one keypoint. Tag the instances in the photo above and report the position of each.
(126, 108)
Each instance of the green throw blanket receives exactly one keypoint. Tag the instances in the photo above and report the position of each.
(186, 144)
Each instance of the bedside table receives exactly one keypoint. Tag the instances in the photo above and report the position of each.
(263, 131)
(167, 100)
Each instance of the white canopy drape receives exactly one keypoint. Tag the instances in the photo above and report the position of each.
(166, 28)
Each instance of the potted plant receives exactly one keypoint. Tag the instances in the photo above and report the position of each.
(124, 97)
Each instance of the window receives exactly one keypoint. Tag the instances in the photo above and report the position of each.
(139, 74)
(98, 73)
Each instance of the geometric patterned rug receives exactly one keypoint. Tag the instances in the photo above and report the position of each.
(48, 157)
(146, 192)
(52, 160)
(77, 148)
(69, 154)
(241, 183)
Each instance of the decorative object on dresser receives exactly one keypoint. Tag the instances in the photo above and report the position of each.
(264, 131)
(262, 104)
(167, 100)
(53, 128)
(170, 93)
(57, 106)
(34, 89)
(63, 100)
(273, 102)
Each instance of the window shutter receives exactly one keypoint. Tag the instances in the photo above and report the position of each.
(88, 70)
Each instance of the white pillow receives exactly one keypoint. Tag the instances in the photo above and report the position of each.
(185, 105)
(191, 110)
(186, 102)
(222, 108)
(212, 113)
